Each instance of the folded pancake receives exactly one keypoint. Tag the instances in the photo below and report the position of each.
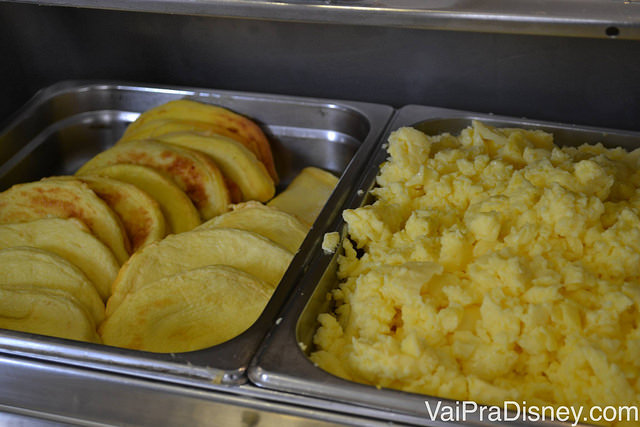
(178, 210)
(274, 224)
(244, 250)
(306, 195)
(240, 128)
(139, 212)
(47, 312)
(65, 198)
(70, 239)
(191, 310)
(235, 161)
(195, 173)
(32, 268)
(153, 129)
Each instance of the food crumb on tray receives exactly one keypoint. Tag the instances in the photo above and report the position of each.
(330, 242)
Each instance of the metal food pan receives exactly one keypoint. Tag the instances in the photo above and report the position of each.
(283, 363)
(66, 124)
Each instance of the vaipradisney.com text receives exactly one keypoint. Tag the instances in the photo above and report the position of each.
(520, 411)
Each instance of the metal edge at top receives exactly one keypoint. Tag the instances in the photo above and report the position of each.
(572, 18)
(410, 115)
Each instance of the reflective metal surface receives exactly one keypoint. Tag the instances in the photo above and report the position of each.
(66, 124)
(566, 79)
(44, 394)
(584, 18)
(25, 418)
(283, 362)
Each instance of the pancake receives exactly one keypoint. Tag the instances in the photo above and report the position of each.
(191, 310)
(70, 239)
(195, 173)
(240, 249)
(244, 130)
(306, 195)
(65, 198)
(139, 212)
(236, 162)
(46, 312)
(281, 227)
(33, 268)
(178, 210)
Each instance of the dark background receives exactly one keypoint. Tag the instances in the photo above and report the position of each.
(567, 79)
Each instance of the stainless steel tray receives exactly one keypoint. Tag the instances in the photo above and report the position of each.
(283, 365)
(65, 124)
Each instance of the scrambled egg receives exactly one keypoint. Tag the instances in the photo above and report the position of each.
(493, 266)
(330, 242)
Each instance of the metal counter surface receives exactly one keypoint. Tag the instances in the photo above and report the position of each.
(583, 18)
(44, 394)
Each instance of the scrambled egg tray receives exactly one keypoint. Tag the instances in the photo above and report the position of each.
(493, 266)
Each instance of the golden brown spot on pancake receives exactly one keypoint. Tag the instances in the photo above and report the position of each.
(235, 194)
(190, 176)
(135, 157)
(180, 168)
(111, 198)
(138, 230)
(50, 204)
(47, 205)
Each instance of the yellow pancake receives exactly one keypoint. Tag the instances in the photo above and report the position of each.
(65, 198)
(178, 210)
(281, 227)
(195, 173)
(70, 239)
(188, 311)
(153, 129)
(306, 195)
(45, 312)
(245, 130)
(28, 267)
(236, 162)
(139, 212)
(240, 249)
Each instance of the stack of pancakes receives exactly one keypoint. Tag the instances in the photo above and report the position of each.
(160, 243)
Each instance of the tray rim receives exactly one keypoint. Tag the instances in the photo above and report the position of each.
(198, 367)
(300, 375)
